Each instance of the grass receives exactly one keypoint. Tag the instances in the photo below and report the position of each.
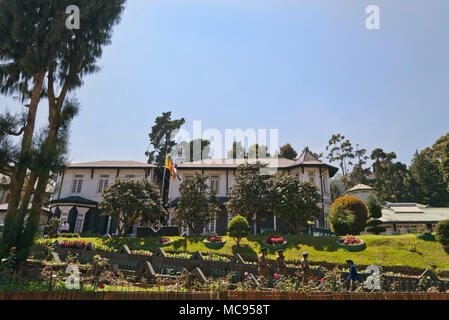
(401, 250)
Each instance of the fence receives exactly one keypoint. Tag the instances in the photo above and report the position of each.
(161, 262)
(225, 295)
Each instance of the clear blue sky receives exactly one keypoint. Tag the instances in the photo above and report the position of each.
(308, 68)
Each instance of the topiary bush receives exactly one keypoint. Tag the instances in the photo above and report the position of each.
(374, 226)
(353, 205)
(52, 227)
(238, 228)
(442, 233)
(341, 221)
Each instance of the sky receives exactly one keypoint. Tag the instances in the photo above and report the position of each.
(309, 68)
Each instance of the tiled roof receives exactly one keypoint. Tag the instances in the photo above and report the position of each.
(111, 164)
(427, 215)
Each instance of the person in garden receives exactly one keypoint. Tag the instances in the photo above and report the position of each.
(353, 276)
(65, 227)
(280, 260)
(305, 267)
(262, 263)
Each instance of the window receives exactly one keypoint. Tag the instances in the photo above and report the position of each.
(102, 183)
(77, 184)
(312, 177)
(214, 183)
(210, 228)
(79, 225)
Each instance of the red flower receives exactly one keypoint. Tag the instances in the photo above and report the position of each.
(215, 239)
(350, 240)
(275, 240)
(102, 286)
(164, 240)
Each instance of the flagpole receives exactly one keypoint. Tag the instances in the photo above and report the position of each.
(165, 164)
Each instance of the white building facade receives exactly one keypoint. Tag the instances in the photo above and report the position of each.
(221, 175)
(79, 190)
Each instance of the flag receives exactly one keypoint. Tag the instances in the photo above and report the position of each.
(175, 173)
(169, 164)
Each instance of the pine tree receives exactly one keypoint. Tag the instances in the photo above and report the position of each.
(36, 44)
(288, 152)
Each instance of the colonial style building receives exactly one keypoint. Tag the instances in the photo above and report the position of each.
(221, 174)
(403, 217)
(79, 190)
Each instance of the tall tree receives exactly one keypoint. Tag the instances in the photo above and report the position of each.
(198, 203)
(294, 201)
(258, 151)
(359, 174)
(440, 151)
(390, 178)
(129, 201)
(341, 151)
(161, 137)
(238, 151)
(198, 149)
(288, 152)
(249, 196)
(426, 173)
(48, 48)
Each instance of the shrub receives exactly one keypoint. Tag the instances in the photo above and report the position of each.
(356, 207)
(374, 208)
(269, 232)
(238, 228)
(341, 221)
(374, 226)
(442, 232)
(52, 227)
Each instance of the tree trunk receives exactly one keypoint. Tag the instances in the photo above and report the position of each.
(10, 233)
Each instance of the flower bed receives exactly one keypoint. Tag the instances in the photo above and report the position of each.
(214, 242)
(80, 244)
(351, 243)
(164, 242)
(274, 242)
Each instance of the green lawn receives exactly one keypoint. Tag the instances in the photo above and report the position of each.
(381, 250)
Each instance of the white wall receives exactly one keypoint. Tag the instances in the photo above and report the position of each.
(174, 186)
(90, 184)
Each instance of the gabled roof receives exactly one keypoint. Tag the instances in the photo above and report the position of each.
(305, 160)
(73, 200)
(359, 187)
(110, 164)
(231, 163)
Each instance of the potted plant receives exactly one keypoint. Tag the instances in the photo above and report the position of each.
(214, 242)
(164, 242)
(275, 242)
(351, 243)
